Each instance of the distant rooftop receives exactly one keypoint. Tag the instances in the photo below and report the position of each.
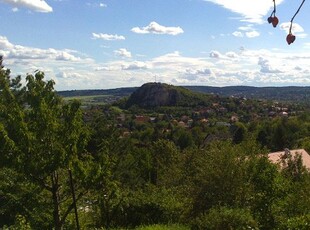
(278, 157)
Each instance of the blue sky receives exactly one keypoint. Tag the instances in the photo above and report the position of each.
(100, 44)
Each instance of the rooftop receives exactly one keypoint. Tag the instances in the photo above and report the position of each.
(278, 157)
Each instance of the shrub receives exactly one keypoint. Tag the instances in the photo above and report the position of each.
(297, 223)
(225, 218)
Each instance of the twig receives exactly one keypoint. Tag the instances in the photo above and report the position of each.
(273, 13)
(290, 31)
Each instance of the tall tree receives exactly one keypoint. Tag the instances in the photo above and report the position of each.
(42, 138)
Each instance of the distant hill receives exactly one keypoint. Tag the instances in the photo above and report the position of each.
(159, 94)
(290, 93)
(94, 92)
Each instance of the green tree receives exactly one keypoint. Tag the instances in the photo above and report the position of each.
(20, 224)
(239, 132)
(267, 189)
(296, 203)
(220, 177)
(42, 138)
(184, 139)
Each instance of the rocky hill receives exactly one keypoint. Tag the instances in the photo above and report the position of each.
(159, 94)
(287, 94)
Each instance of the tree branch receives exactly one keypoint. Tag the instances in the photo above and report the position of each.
(71, 206)
(41, 182)
(290, 31)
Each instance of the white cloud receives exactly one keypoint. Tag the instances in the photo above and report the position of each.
(102, 68)
(73, 70)
(251, 10)
(175, 61)
(238, 34)
(69, 68)
(108, 37)
(196, 72)
(252, 34)
(248, 33)
(67, 74)
(266, 67)
(246, 28)
(298, 68)
(35, 5)
(296, 29)
(232, 54)
(123, 53)
(215, 54)
(65, 56)
(137, 65)
(5, 44)
(75, 79)
(101, 4)
(155, 28)
(21, 54)
(206, 71)
(249, 67)
(246, 67)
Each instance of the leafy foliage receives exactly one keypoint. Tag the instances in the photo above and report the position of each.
(164, 168)
(42, 138)
(225, 218)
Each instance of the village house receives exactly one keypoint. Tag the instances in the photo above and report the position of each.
(141, 119)
(282, 157)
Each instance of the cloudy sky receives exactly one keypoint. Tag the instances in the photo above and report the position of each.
(100, 44)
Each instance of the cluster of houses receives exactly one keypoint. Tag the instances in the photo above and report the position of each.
(202, 116)
(281, 158)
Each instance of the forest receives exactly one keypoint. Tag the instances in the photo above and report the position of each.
(123, 166)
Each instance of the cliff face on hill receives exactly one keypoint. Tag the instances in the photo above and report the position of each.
(158, 94)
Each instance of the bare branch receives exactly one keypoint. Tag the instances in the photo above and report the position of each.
(302, 3)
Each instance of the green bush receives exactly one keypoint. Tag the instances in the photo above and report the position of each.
(297, 223)
(20, 224)
(153, 206)
(225, 218)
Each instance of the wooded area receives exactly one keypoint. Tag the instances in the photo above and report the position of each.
(110, 167)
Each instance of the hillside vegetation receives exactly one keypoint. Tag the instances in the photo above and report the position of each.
(281, 94)
(171, 159)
